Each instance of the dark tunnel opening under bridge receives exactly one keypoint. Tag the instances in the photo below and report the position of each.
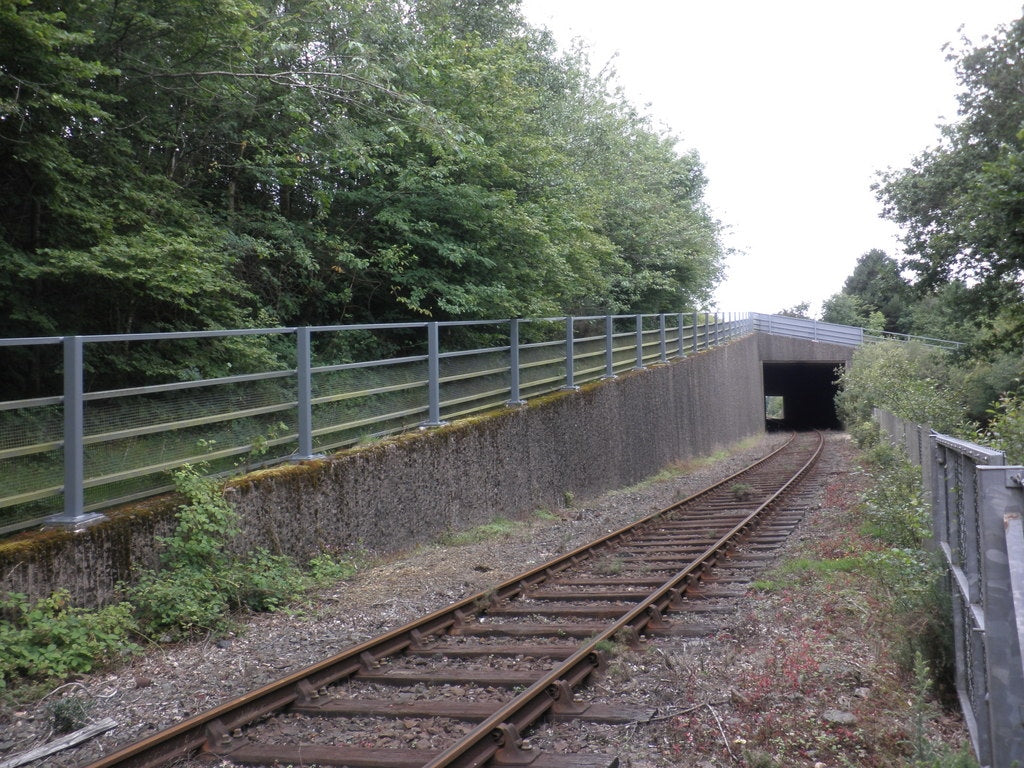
(801, 396)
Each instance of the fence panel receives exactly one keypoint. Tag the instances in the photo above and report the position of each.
(237, 400)
(977, 506)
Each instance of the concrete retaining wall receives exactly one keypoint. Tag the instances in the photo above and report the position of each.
(408, 490)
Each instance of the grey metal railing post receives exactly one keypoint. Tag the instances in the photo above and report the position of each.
(570, 353)
(74, 513)
(662, 349)
(304, 384)
(639, 343)
(74, 428)
(609, 341)
(433, 376)
(695, 320)
(707, 330)
(1000, 496)
(513, 363)
(682, 345)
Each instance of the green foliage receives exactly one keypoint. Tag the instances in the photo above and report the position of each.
(265, 582)
(908, 379)
(959, 202)
(990, 380)
(69, 713)
(199, 165)
(1005, 431)
(497, 528)
(178, 602)
(201, 581)
(925, 752)
(741, 491)
(912, 576)
(205, 524)
(894, 510)
(50, 638)
(844, 309)
(799, 310)
(325, 568)
(874, 296)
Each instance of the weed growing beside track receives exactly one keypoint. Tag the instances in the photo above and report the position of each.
(199, 590)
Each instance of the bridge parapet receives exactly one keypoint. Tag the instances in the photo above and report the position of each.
(832, 333)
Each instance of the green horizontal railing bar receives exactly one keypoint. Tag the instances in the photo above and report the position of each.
(36, 495)
(171, 426)
(174, 386)
(29, 450)
(369, 420)
(34, 402)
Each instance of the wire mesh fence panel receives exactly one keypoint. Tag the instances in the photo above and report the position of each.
(31, 431)
(355, 404)
(623, 344)
(651, 340)
(589, 355)
(31, 463)
(225, 401)
(542, 368)
(133, 442)
(474, 381)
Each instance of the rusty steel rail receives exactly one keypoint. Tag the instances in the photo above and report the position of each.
(499, 733)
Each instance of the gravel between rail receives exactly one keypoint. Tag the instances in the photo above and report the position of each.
(790, 677)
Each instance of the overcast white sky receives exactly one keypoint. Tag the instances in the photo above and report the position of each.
(793, 105)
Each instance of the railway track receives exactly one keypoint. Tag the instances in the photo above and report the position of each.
(462, 685)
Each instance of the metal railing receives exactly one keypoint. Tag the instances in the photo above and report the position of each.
(977, 505)
(81, 450)
(846, 335)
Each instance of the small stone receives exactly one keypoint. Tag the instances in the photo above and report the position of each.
(224, 643)
(840, 717)
(862, 693)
